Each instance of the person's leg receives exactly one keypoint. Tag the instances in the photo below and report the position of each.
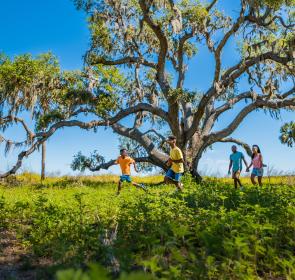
(253, 179)
(238, 173)
(168, 180)
(129, 180)
(173, 178)
(179, 186)
(119, 186)
(141, 186)
(235, 179)
(170, 177)
(260, 175)
(255, 173)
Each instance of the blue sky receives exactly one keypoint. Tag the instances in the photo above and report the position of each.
(36, 26)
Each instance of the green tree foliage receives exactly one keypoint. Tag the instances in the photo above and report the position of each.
(38, 86)
(287, 136)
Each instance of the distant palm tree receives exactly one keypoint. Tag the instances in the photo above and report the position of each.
(288, 134)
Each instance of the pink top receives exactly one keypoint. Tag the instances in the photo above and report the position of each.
(257, 163)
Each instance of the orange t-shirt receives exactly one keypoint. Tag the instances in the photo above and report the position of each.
(125, 164)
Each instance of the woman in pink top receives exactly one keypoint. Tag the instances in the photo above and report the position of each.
(257, 162)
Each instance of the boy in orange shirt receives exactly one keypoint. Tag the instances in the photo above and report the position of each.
(125, 161)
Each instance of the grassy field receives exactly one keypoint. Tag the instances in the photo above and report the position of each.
(77, 228)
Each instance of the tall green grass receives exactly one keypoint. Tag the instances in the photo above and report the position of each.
(210, 231)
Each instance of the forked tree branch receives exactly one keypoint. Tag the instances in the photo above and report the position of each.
(11, 119)
(228, 79)
(227, 36)
(259, 103)
(240, 68)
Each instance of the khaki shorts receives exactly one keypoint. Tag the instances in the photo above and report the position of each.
(236, 174)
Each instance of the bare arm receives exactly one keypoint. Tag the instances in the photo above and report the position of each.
(177, 160)
(135, 167)
(249, 166)
(230, 165)
(244, 160)
(262, 164)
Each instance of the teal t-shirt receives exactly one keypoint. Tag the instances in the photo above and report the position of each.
(237, 160)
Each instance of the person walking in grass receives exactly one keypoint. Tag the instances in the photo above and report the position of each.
(175, 162)
(125, 162)
(257, 163)
(235, 165)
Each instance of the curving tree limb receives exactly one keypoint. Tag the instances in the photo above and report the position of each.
(238, 142)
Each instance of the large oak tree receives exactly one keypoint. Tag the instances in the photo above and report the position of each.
(154, 43)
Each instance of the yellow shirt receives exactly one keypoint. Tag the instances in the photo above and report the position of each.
(176, 154)
(125, 164)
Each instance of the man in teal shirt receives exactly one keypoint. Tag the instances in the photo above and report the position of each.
(236, 165)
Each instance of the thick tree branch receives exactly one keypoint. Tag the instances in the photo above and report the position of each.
(180, 56)
(240, 68)
(228, 79)
(231, 102)
(41, 137)
(124, 60)
(288, 93)
(156, 133)
(260, 21)
(198, 115)
(225, 39)
(21, 156)
(238, 142)
(154, 153)
(211, 5)
(214, 114)
(259, 103)
(11, 119)
(110, 163)
(163, 46)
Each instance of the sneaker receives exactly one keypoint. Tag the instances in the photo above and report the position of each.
(242, 188)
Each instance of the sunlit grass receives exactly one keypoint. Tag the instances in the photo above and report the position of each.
(95, 180)
(65, 220)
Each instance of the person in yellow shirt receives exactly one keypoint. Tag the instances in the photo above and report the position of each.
(175, 162)
(125, 162)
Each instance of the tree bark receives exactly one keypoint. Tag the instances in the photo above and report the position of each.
(43, 161)
(198, 152)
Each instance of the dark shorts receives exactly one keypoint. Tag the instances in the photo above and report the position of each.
(174, 176)
(125, 178)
